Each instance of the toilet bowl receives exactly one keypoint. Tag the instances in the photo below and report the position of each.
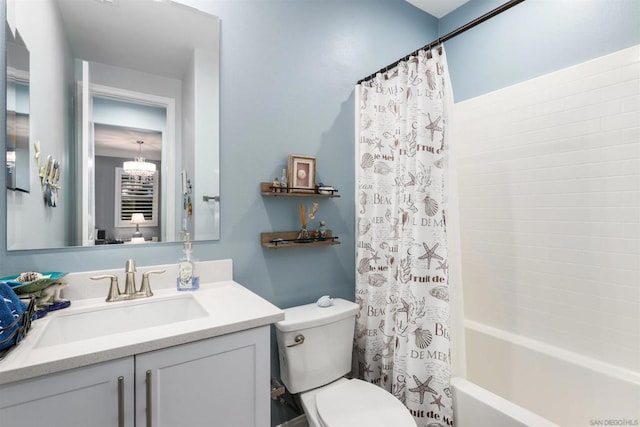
(350, 403)
(314, 347)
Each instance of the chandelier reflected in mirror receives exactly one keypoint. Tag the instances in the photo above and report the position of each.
(139, 168)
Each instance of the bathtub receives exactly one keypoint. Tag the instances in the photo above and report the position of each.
(474, 406)
(566, 388)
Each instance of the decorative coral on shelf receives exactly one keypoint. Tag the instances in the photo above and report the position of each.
(305, 217)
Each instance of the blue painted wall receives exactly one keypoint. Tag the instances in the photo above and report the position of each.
(288, 69)
(287, 75)
(533, 38)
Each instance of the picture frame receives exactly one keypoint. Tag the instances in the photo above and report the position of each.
(302, 174)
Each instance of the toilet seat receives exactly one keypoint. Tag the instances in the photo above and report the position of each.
(357, 402)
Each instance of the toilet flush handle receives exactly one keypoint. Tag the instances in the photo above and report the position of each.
(299, 339)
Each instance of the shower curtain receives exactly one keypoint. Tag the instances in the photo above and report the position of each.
(402, 338)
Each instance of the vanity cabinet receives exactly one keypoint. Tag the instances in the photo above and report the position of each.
(86, 396)
(221, 381)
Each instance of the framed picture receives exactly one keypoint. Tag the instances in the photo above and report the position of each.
(302, 174)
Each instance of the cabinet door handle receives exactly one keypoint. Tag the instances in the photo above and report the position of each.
(120, 401)
(149, 403)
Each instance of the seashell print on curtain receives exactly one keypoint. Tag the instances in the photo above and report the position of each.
(402, 329)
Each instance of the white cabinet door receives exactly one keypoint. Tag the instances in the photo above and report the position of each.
(85, 396)
(221, 381)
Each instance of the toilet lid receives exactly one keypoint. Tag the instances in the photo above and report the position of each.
(356, 402)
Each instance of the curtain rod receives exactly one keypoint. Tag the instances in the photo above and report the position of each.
(497, 11)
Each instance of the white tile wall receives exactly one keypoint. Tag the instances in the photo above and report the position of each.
(549, 174)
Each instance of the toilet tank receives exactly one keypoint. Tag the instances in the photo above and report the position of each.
(325, 352)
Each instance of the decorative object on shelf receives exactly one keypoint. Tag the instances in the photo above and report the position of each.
(139, 167)
(322, 231)
(289, 239)
(325, 189)
(284, 186)
(266, 188)
(304, 236)
(49, 177)
(275, 187)
(137, 219)
(302, 173)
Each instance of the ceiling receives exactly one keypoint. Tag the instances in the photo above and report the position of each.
(120, 141)
(437, 8)
(93, 28)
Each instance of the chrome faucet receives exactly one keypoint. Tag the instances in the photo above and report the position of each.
(130, 277)
(130, 291)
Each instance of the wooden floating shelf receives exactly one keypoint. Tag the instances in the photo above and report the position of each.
(289, 240)
(266, 188)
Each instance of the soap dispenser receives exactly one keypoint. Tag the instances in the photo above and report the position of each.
(187, 279)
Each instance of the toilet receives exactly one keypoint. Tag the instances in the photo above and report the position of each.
(314, 346)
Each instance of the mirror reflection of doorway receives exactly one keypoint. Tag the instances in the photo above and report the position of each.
(124, 130)
(118, 196)
(105, 106)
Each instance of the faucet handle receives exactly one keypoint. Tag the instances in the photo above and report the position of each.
(114, 289)
(130, 266)
(145, 286)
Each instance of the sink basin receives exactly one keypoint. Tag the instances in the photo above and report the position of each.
(117, 318)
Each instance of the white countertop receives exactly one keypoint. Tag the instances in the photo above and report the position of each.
(230, 307)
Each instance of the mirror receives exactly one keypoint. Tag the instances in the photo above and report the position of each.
(104, 75)
(17, 150)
